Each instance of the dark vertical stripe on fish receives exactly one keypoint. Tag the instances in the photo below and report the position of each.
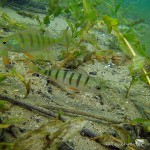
(78, 80)
(45, 72)
(64, 76)
(86, 81)
(49, 72)
(56, 75)
(71, 77)
(38, 40)
(21, 37)
(31, 39)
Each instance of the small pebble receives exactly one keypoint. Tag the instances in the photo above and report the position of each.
(99, 97)
(35, 75)
(22, 130)
(49, 89)
(87, 133)
(93, 73)
(66, 145)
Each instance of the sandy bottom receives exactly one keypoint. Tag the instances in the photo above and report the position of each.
(110, 103)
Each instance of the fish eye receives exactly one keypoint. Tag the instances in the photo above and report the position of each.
(98, 87)
(4, 42)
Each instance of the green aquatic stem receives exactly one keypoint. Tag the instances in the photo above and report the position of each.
(12, 22)
(13, 73)
(131, 50)
(26, 84)
(125, 40)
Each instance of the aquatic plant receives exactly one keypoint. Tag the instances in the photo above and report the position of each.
(122, 139)
(2, 2)
(13, 73)
(10, 23)
(82, 19)
(144, 123)
(4, 106)
(138, 60)
(8, 146)
(52, 134)
(129, 44)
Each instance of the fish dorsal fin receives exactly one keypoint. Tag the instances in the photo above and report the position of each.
(33, 30)
(79, 71)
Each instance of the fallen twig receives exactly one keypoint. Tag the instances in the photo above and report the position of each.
(82, 113)
(31, 107)
(58, 108)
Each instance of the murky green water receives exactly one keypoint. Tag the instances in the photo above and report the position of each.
(113, 104)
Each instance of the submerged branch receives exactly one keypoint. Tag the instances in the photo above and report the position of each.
(46, 111)
(78, 112)
(31, 107)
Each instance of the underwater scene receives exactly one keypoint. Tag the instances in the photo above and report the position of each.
(74, 74)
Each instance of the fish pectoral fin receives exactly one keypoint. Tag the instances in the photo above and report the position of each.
(6, 60)
(74, 89)
(29, 55)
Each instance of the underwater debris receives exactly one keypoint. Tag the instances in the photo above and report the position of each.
(66, 145)
(105, 139)
(88, 133)
(53, 134)
(13, 73)
(109, 141)
(107, 55)
(26, 14)
(31, 107)
(7, 146)
(118, 141)
(122, 133)
(68, 111)
(142, 121)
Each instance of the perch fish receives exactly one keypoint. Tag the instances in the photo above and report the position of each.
(27, 41)
(74, 80)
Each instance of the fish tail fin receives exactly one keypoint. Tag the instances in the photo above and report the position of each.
(4, 55)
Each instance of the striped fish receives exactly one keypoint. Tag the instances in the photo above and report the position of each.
(74, 80)
(27, 41)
